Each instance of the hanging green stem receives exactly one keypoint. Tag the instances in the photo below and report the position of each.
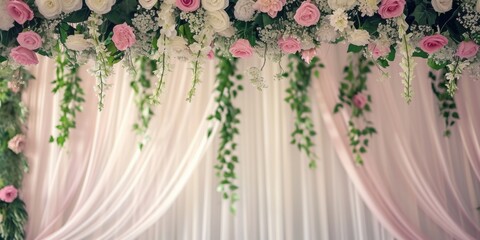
(446, 103)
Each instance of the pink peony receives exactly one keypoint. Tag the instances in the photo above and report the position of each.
(272, 7)
(241, 49)
(30, 40)
(309, 54)
(391, 8)
(467, 49)
(8, 194)
(307, 14)
(19, 11)
(378, 50)
(14, 86)
(188, 5)
(359, 100)
(431, 44)
(289, 45)
(17, 143)
(123, 36)
(24, 56)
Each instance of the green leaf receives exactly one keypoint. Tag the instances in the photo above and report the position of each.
(354, 48)
(122, 11)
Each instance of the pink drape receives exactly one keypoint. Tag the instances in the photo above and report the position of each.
(409, 162)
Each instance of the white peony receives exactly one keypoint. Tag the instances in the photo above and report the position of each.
(214, 5)
(326, 33)
(49, 8)
(339, 20)
(148, 4)
(359, 37)
(100, 6)
(477, 8)
(6, 22)
(219, 20)
(71, 5)
(244, 11)
(346, 4)
(77, 42)
(442, 6)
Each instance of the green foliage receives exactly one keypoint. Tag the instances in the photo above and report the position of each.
(355, 82)
(14, 217)
(299, 101)
(446, 103)
(67, 82)
(228, 115)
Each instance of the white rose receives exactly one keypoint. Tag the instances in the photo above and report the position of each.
(228, 33)
(77, 42)
(346, 4)
(214, 5)
(72, 5)
(326, 33)
(49, 8)
(442, 6)
(100, 6)
(6, 22)
(219, 20)
(359, 37)
(477, 8)
(244, 11)
(148, 4)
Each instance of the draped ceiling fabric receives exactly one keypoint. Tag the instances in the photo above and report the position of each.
(415, 182)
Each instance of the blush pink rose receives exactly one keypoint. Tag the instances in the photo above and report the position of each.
(309, 54)
(14, 86)
(391, 8)
(24, 56)
(378, 50)
(19, 11)
(289, 45)
(467, 49)
(123, 36)
(271, 7)
(30, 40)
(359, 100)
(307, 14)
(188, 5)
(241, 49)
(17, 143)
(8, 194)
(433, 43)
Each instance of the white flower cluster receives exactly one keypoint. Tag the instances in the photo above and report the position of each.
(51, 9)
(470, 16)
(454, 73)
(145, 24)
(368, 7)
(244, 11)
(407, 64)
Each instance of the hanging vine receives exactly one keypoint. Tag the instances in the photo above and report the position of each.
(352, 94)
(297, 97)
(446, 103)
(227, 114)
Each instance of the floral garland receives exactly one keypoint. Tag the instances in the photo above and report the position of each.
(446, 103)
(446, 32)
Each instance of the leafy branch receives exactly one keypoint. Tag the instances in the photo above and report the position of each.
(299, 101)
(228, 115)
(446, 103)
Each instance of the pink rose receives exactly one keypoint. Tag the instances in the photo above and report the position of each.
(19, 11)
(271, 7)
(123, 36)
(308, 55)
(307, 14)
(24, 56)
(391, 8)
(8, 194)
(378, 50)
(14, 86)
(431, 44)
(467, 49)
(17, 143)
(289, 45)
(188, 5)
(241, 49)
(359, 100)
(30, 40)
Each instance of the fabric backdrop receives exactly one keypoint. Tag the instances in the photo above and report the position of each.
(418, 184)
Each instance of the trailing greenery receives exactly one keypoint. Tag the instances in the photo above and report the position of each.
(12, 166)
(141, 86)
(67, 82)
(355, 82)
(297, 97)
(227, 114)
(446, 103)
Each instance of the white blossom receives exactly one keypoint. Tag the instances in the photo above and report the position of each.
(100, 6)
(77, 42)
(69, 6)
(214, 5)
(49, 8)
(442, 6)
(244, 11)
(359, 37)
(339, 20)
(147, 4)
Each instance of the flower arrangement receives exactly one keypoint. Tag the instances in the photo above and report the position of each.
(147, 35)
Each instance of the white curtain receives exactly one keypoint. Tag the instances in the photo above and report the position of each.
(102, 187)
